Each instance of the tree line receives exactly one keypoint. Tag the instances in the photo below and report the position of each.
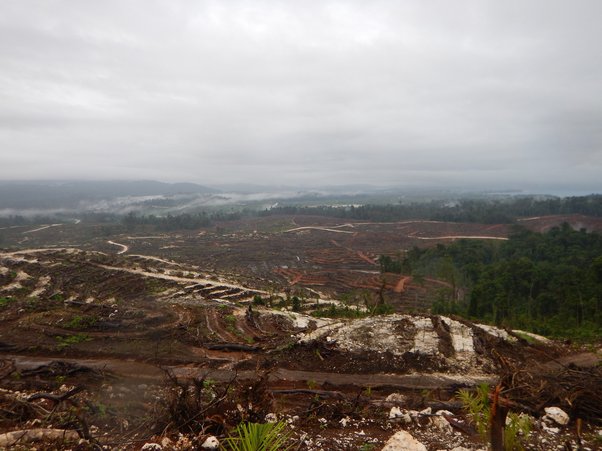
(548, 283)
(483, 211)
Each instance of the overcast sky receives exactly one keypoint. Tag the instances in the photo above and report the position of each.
(447, 93)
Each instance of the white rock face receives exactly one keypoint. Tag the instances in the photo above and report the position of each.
(403, 441)
(461, 336)
(210, 443)
(557, 415)
(426, 340)
(500, 333)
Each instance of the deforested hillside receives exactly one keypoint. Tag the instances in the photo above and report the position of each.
(153, 350)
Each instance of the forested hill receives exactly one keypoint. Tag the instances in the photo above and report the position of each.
(485, 211)
(548, 283)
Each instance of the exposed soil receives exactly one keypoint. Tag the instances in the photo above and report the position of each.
(129, 324)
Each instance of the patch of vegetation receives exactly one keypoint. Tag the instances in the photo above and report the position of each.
(368, 447)
(258, 437)
(258, 300)
(154, 286)
(524, 336)
(478, 407)
(81, 322)
(333, 311)
(231, 325)
(549, 284)
(389, 264)
(485, 211)
(58, 297)
(296, 304)
(69, 340)
(4, 301)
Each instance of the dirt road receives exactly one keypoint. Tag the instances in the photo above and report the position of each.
(124, 248)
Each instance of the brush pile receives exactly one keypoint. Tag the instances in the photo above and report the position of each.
(576, 389)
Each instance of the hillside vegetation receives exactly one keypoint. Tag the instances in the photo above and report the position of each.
(486, 211)
(549, 283)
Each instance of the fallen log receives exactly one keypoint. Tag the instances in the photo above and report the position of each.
(7, 367)
(59, 368)
(56, 398)
(10, 439)
(305, 391)
(232, 347)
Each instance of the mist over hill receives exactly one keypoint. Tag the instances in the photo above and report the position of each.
(89, 195)
(147, 197)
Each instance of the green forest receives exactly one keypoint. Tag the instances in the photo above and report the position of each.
(548, 283)
(485, 211)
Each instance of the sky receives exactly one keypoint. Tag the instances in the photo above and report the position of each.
(485, 93)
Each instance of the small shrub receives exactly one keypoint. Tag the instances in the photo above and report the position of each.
(65, 342)
(258, 437)
(5, 301)
(81, 322)
(258, 300)
(296, 304)
(517, 425)
(339, 312)
(382, 309)
(477, 407)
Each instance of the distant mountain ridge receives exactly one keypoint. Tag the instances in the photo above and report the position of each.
(69, 194)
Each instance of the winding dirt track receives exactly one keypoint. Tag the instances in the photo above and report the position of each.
(401, 283)
(124, 248)
(178, 279)
(325, 229)
(461, 237)
(42, 228)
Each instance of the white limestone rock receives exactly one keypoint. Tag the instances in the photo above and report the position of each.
(403, 441)
(556, 415)
(397, 398)
(271, 418)
(397, 414)
(210, 443)
(151, 447)
(441, 423)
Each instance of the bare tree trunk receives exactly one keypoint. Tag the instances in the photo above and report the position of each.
(497, 421)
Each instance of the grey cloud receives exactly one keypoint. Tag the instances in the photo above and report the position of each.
(317, 92)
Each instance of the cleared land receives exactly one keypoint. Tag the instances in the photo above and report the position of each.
(128, 324)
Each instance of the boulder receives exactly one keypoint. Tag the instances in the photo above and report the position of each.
(210, 442)
(403, 441)
(397, 398)
(397, 413)
(442, 424)
(556, 415)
